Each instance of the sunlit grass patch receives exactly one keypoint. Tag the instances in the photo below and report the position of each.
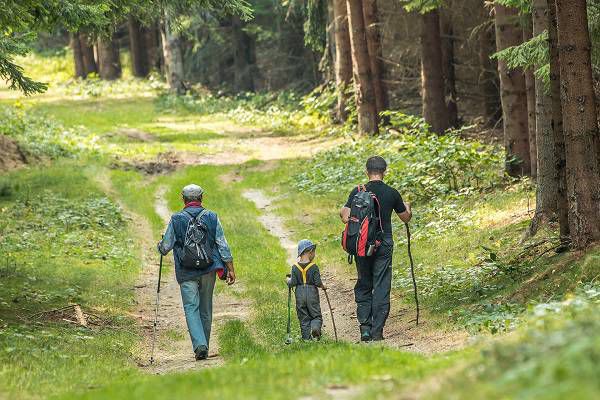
(63, 242)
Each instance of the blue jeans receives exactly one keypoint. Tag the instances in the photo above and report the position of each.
(197, 297)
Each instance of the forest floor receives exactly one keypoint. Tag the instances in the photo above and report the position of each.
(105, 208)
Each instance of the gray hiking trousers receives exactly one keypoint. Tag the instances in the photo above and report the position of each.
(372, 289)
(308, 308)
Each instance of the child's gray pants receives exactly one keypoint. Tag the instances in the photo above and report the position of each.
(308, 308)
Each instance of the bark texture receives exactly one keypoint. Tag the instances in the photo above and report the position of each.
(137, 48)
(343, 58)
(364, 92)
(374, 46)
(582, 144)
(77, 55)
(109, 60)
(153, 51)
(435, 111)
(173, 56)
(546, 198)
(530, 88)
(560, 177)
(488, 80)
(513, 96)
(447, 32)
(87, 53)
(243, 57)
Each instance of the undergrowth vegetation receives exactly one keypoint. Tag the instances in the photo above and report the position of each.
(62, 242)
(40, 136)
(554, 357)
(284, 113)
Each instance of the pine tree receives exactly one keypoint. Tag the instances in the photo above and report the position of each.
(361, 68)
(582, 145)
(513, 95)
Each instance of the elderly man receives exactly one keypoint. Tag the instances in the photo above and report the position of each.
(197, 279)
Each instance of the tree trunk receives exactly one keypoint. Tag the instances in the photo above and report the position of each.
(530, 88)
(343, 58)
(87, 53)
(364, 92)
(512, 95)
(109, 61)
(447, 33)
(137, 48)
(435, 111)
(488, 76)
(153, 53)
(242, 57)
(375, 57)
(582, 145)
(546, 203)
(77, 55)
(173, 56)
(560, 177)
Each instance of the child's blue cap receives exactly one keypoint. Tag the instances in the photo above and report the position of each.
(304, 245)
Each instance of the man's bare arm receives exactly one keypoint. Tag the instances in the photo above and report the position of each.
(406, 215)
(345, 214)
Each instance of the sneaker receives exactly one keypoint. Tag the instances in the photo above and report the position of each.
(201, 353)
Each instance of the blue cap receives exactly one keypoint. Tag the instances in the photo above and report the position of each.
(304, 245)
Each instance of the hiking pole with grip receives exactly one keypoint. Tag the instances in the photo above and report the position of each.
(331, 312)
(156, 310)
(412, 270)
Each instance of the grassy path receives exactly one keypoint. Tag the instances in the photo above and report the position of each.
(247, 174)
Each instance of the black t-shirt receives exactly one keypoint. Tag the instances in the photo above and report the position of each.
(389, 200)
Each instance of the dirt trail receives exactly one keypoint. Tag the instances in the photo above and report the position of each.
(400, 331)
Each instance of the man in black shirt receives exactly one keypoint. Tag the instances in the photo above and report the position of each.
(372, 289)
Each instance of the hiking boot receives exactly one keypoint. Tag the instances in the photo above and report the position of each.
(365, 337)
(316, 333)
(201, 353)
(365, 334)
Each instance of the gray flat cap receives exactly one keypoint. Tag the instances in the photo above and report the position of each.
(192, 191)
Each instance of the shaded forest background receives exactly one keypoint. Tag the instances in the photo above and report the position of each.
(521, 72)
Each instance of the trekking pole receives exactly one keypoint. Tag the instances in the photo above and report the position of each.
(156, 310)
(288, 339)
(331, 312)
(412, 270)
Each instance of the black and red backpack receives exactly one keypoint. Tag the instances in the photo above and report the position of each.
(363, 232)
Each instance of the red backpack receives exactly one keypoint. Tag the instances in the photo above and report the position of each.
(362, 235)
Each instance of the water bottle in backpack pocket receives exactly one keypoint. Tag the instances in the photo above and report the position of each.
(197, 253)
(363, 232)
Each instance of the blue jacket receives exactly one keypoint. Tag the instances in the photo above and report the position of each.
(175, 236)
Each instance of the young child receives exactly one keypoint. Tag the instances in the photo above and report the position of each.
(306, 278)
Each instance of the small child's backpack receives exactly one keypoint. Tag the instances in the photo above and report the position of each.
(196, 251)
(363, 231)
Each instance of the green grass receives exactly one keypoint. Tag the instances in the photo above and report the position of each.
(62, 242)
(255, 347)
(80, 248)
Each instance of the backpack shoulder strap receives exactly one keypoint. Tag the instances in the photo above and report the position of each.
(203, 212)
